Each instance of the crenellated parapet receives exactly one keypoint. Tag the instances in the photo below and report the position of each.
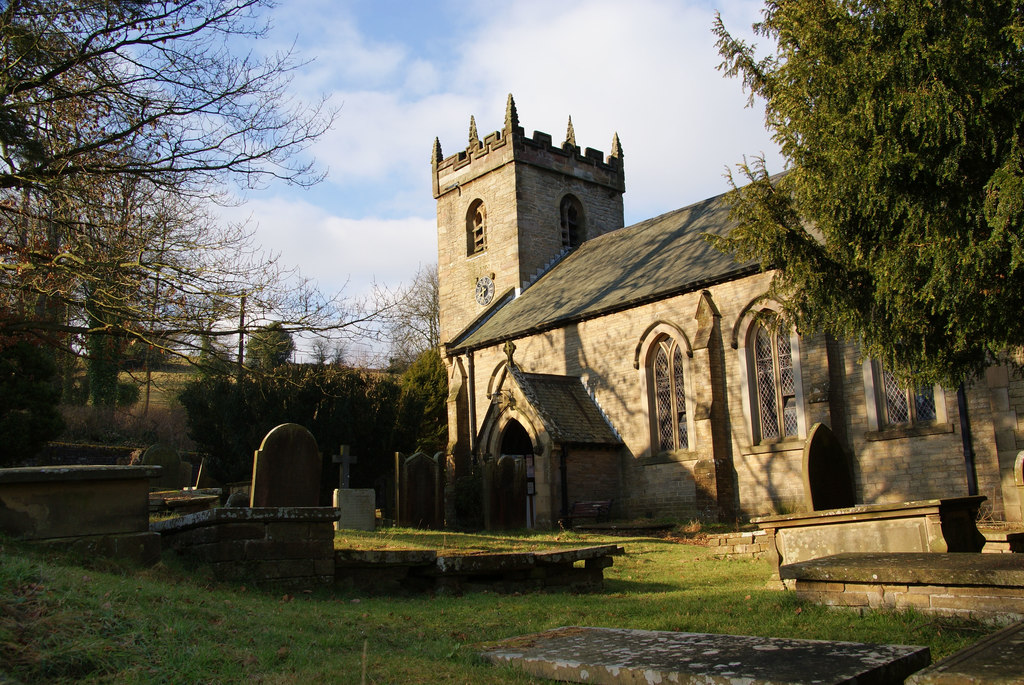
(511, 144)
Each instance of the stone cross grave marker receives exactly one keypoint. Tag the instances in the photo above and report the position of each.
(286, 469)
(346, 459)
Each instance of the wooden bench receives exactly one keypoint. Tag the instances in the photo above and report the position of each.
(598, 510)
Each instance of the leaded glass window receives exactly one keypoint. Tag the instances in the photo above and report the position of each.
(775, 384)
(669, 396)
(905, 406)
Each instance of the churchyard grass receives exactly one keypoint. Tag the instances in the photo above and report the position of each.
(63, 619)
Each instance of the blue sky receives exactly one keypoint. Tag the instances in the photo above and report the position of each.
(405, 72)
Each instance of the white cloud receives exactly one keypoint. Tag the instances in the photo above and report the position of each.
(644, 69)
(338, 252)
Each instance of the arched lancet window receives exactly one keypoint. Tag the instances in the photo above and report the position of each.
(775, 383)
(571, 221)
(668, 401)
(476, 228)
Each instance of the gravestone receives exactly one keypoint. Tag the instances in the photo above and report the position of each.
(828, 472)
(286, 469)
(204, 479)
(345, 459)
(422, 494)
(171, 469)
(505, 483)
(356, 509)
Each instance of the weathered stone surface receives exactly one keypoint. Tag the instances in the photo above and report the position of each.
(357, 507)
(286, 469)
(167, 458)
(286, 547)
(938, 570)
(606, 655)
(386, 557)
(561, 556)
(1002, 540)
(984, 587)
(942, 525)
(484, 563)
(69, 501)
(377, 570)
(247, 515)
(996, 659)
(422, 491)
(142, 548)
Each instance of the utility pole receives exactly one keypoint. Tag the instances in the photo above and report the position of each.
(241, 338)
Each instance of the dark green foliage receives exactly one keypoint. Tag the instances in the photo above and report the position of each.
(469, 505)
(228, 419)
(102, 366)
(901, 124)
(269, 347)
(28, 402)
(422, 424)
(127, 394)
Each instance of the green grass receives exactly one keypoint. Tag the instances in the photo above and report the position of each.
(65, 621)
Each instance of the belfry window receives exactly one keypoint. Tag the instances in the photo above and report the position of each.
(775, 384)
(669, 396)
(571, 221)
(476, 229)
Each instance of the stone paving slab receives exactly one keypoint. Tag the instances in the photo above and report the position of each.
(997, 660)
(611, 656)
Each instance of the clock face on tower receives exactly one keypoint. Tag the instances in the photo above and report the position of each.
(484, 290)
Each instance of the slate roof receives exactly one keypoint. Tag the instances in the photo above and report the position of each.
(567, 411)
(648, 261)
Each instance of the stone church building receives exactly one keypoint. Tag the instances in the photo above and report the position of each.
(592, 361)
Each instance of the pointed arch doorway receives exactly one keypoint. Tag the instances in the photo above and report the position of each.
(513, 486)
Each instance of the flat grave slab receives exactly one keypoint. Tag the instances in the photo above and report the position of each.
(1001, 570)
(995, 660)
(609, 656)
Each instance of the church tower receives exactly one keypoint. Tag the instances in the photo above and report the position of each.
(508, 207)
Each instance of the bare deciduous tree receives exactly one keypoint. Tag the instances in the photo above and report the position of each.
(120, 121)
(413, 321)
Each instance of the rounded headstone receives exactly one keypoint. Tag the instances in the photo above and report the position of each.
(167, 458)
(286, 470)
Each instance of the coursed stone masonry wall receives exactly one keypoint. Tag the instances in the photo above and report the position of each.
(288, 547)
(520, 180)
(889, 466)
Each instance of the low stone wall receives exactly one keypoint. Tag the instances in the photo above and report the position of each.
(986, 587)
(282, 547)
(750, 543)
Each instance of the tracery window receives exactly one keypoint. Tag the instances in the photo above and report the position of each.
(476, 229)
(775, 384)
(669, 400)
(571, 221)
